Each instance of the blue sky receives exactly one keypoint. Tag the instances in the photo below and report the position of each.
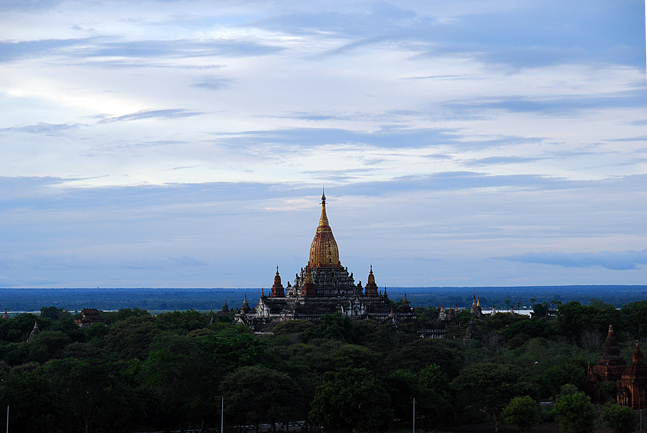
(185, 143)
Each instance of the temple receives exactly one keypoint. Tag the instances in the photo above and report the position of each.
(90, 316)
(324, 286)
(630, 381)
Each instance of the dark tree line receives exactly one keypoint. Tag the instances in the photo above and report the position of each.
(140, 372)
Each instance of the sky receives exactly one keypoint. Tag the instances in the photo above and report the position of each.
(176, 143)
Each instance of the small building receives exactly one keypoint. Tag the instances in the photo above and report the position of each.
(632, 386)
(89, 316)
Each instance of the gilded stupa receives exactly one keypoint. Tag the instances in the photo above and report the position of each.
(324, 251)
(323, 286)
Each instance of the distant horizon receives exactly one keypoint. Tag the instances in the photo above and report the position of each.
(262, 287)
(204, 299)
(380, 287)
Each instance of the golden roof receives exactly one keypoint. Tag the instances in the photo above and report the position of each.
(371, 277)
(324, 251)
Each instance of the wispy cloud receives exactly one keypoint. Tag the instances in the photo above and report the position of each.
(41, 128)
(177, 48)
(496, 160)
(11, 51)
(613, 260)
(213, 83)
(175, 113)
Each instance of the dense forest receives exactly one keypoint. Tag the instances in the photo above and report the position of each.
(143, 372)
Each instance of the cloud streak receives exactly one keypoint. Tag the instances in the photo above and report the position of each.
(613, 260)
(175, 113)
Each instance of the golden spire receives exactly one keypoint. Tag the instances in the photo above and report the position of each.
(323, 250)
(323, 221)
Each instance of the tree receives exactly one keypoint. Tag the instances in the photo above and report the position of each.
(184, 321)
(415, 354)
(619, 419)
(93, 393)
(539, 311)
(234, 347)
(521, 412)
(351, 355)
(176, 375)
(433, 399)
(352, 399)
(49, 312)
(490, 387)
(130, 338)
(255, 394)
(53, 341)
(35, 406)
(637, 316)
(575, 413)
(332, 326)
(430, 389)
(571, 371)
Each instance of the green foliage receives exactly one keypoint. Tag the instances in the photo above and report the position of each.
(567, 389)
(528, 328)
(123, 314)
(430, 388)
(178, 376)
(571, 371)
(575, 413)
(539, 311)
(33, 400)
(166, 372)
(599, 304)
(234, 347)
(352, 399)
(255, 394)
(350, 355)
(427, 315)
(53, 341)
(413, 355)
(521, 412)
(620, 419)
(17, 329)
(434, 402)
(490, 387)
(183, 321)
(573, 319)
(332, 326)
(49, 312)
(91, 393)
(402, 386)
(636, 315)
(130, 338)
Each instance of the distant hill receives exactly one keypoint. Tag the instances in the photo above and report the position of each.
(203, 299)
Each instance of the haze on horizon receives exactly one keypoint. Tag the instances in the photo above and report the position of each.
(185, 143)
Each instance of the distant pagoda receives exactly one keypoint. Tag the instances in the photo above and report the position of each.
(324, 286)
